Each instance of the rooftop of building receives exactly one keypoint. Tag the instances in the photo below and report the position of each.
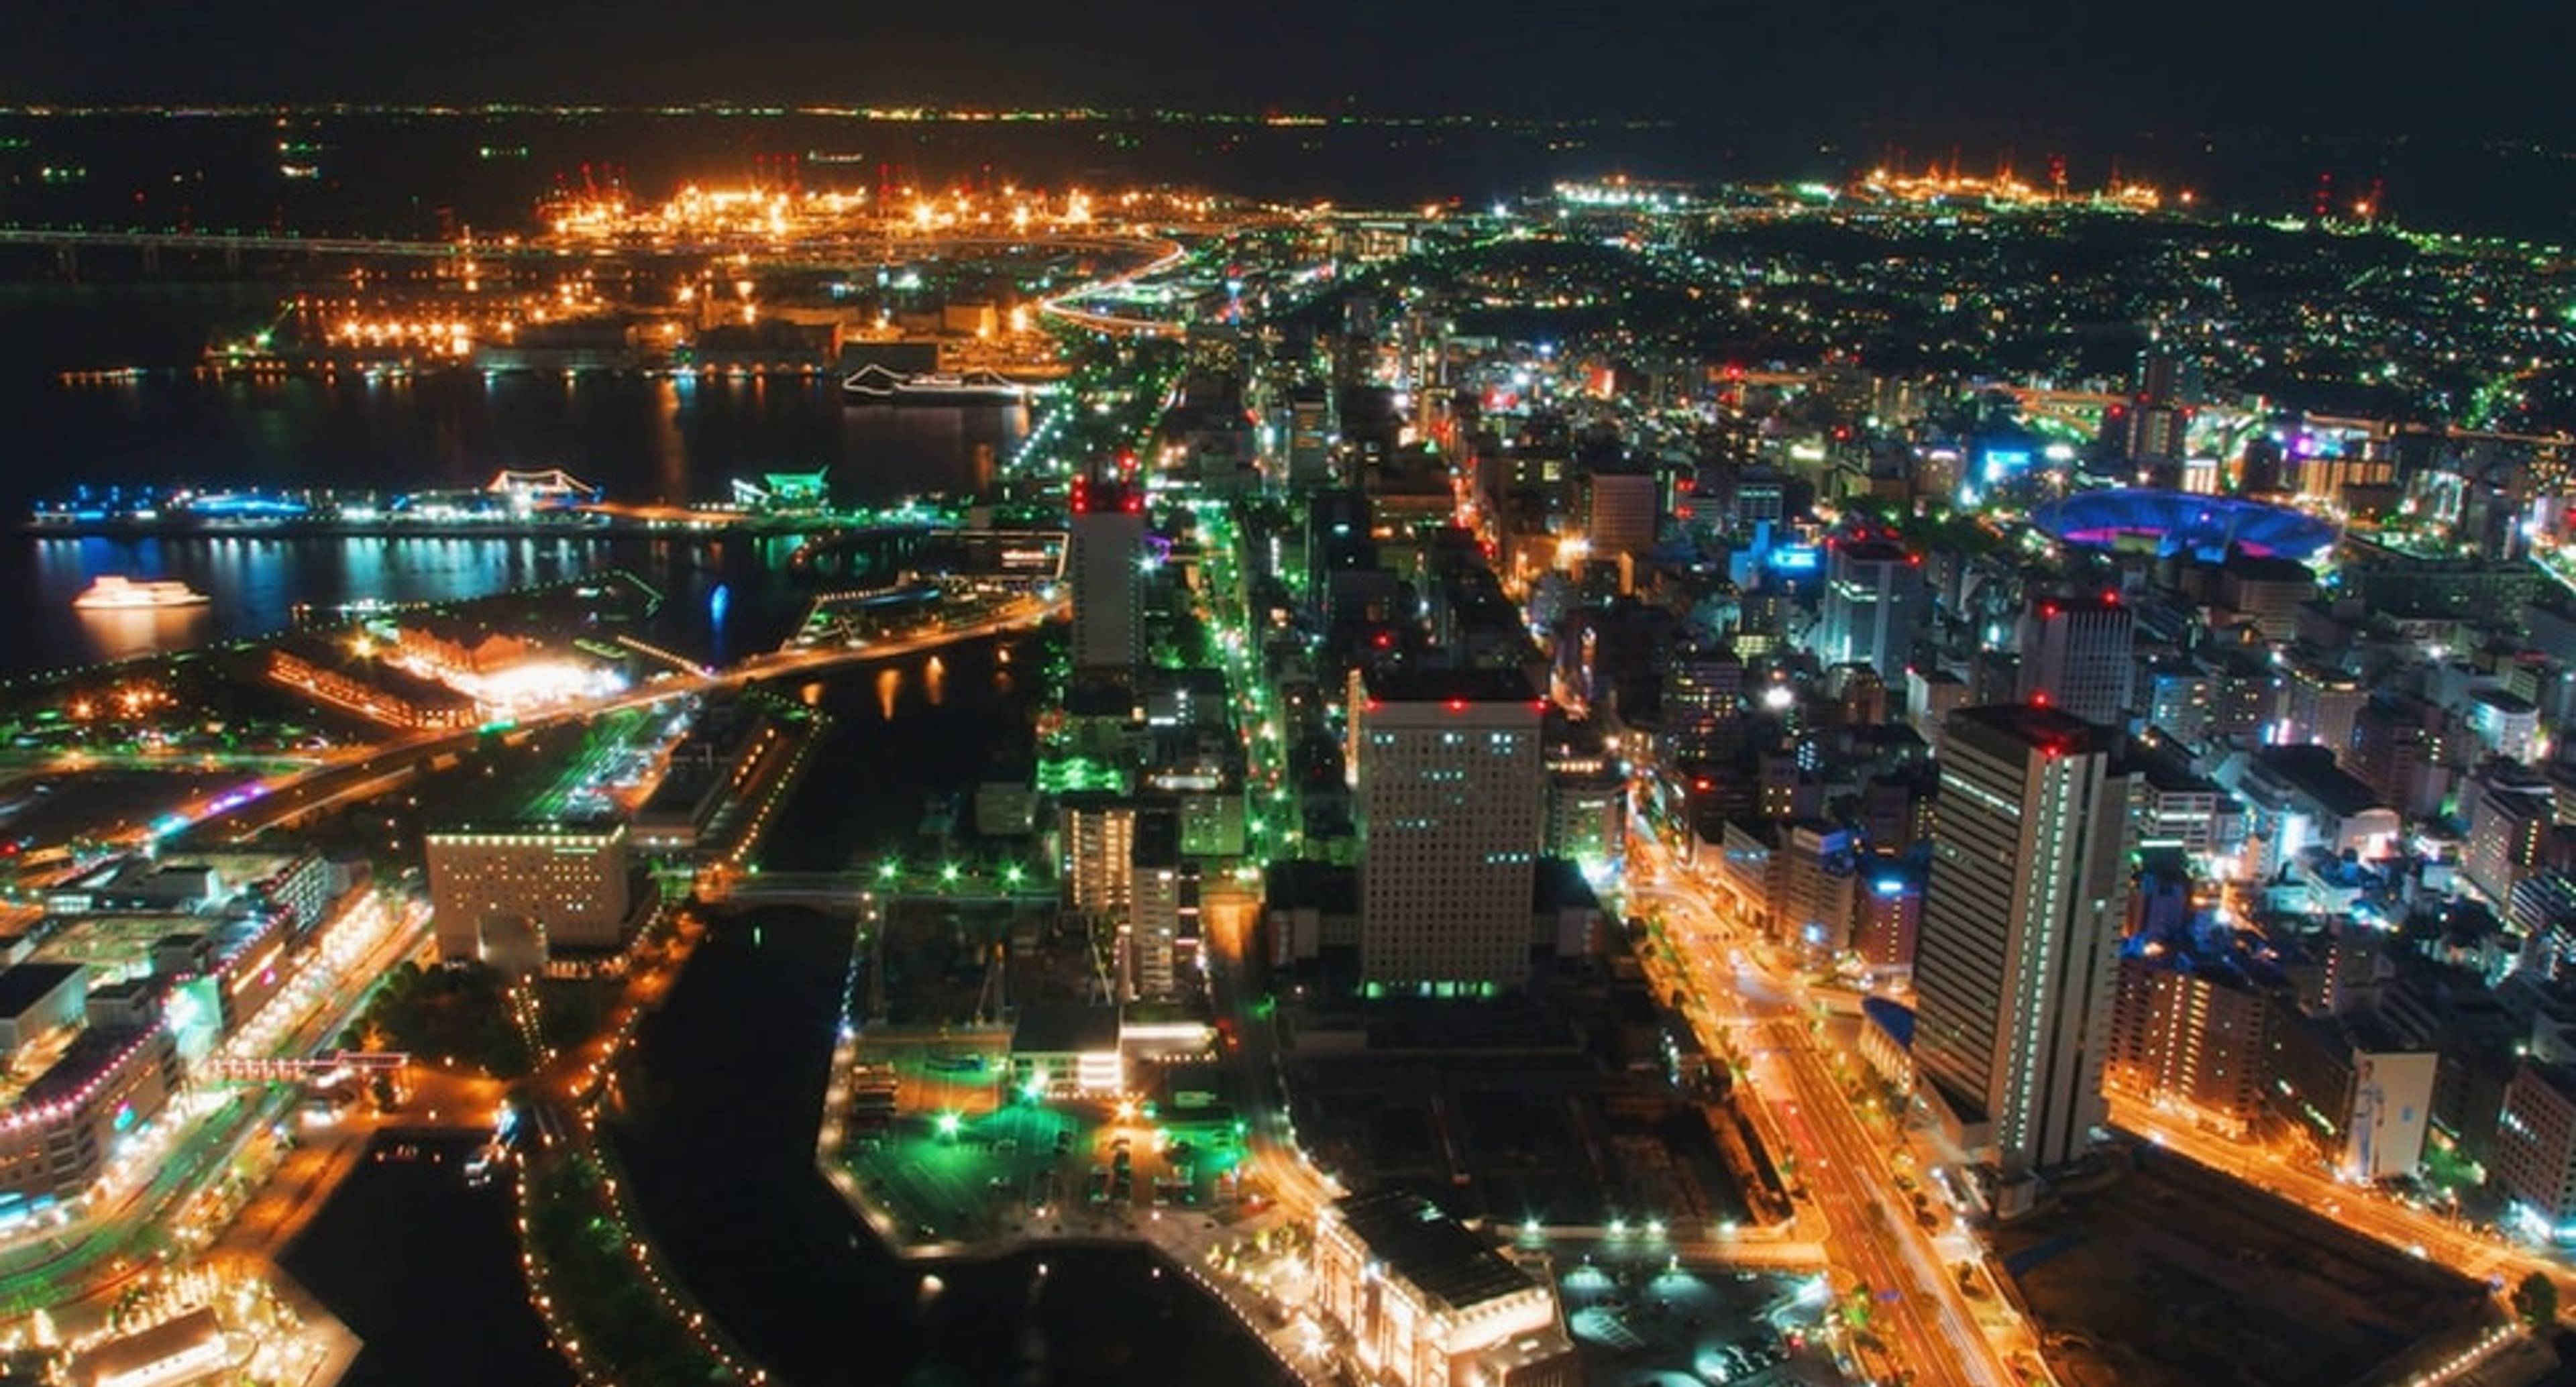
(139, 1356)
(1306, 883)
(29, 983)
(570, 831)
(1429, 1250)
(2312, 771)
(2035, 725)
(1067, 1028)
(1450, 686)
(1893, 1017)
(91, 1055)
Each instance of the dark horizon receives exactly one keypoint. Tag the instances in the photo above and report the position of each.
(2289, 67)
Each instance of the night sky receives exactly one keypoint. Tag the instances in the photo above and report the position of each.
(2483, 67)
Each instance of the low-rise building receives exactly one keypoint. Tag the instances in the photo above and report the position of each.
(1427, 1302)
(570, 885)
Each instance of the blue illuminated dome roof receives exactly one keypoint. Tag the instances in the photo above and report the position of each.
(2182, 522)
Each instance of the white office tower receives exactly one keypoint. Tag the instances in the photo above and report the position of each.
(1875, 605)
(2015, 968)
(2076, 655)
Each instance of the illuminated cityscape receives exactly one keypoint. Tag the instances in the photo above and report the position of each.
(1038, 718)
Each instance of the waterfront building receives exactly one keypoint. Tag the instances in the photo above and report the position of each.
(567, 885)
(1426, 1302)
(2013, 971)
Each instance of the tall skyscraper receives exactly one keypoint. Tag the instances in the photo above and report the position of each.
(2076, 656)
(1107, 563)
(1703, 703)
(2015, 970)
(1452, 804)
(1875, 604)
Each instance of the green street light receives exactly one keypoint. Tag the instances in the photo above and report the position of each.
(948, 872)
(949, 1122)
(1012, 874)
(888, 871)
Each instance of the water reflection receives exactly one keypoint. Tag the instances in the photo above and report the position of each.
(118, 633)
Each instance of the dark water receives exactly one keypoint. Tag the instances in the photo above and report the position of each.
(720, 1141)
(255, 583)
(645, 439)
(642, 439)
(720, 1119)
(425, 1271)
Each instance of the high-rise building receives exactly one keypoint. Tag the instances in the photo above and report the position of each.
(1099, 853)
(1451, 805)
(1107, 565)
(1875, 604)
(1310, 437)
(1619, 510)
(2511, 812)
(2014, 970)
(1703, 704)
(2535, 1144)
(2322, 706)
(2190, 1036)
(2075, 656)
(553, 886)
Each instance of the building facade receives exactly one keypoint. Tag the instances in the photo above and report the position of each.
(2014, 970)
(570, 884)
(1451, 805)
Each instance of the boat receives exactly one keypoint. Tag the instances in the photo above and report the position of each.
(880, 385)
(114, 593)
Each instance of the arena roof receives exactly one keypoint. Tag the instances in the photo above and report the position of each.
(2181, 521)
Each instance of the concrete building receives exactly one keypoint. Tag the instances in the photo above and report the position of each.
(39, 1001)
(2322, 706)
(1619, 511)
(2534, 1161)
(1875, 605)
(1426, 1302)
(1451, 805)
(2504, 723)
(569, 885)
(59, 1135)
(2192, 1038)
(1106, 564)
(2014, 972)
(2510, 813)
(1099, 870)
(2076, 655)
(2359, 1093)
(1703, 704)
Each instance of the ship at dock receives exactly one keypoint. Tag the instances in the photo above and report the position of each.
(113, 593)
(880, 385)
